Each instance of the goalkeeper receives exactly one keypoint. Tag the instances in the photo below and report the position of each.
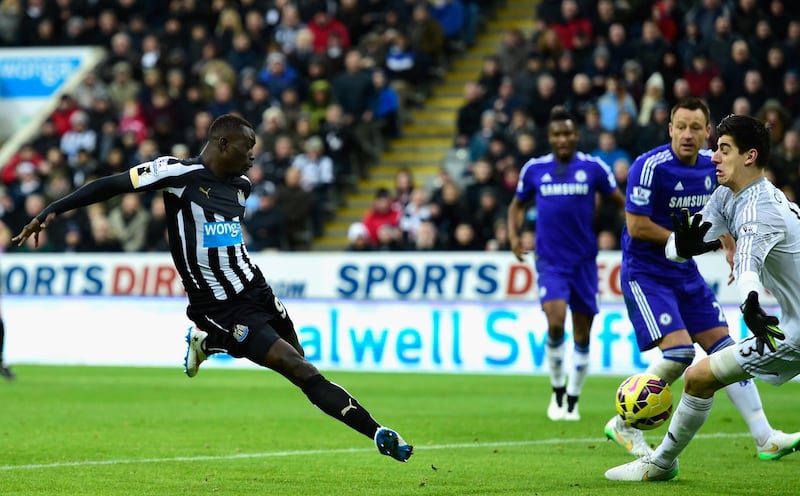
(766, 227)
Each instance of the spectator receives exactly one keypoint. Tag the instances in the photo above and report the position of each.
(277, 75)
(448, 210)
(656, 131)
(599, 69)
(353, 90)
(317, 103)
(469, 117)
(513, 52)
(490, 76)
(27, 184)
(156, 230)
(297, 204)
(383, 211)
(614, 101)
(761, 41)
(390, 238)
(123, 86)
(358, 237)
(322, 26)
(650, 47)
(653, 95)
(385, 107)
(242, 55)
(790, 93)
(79, 136)
(526, 80)
(479, 141)
(499, 241)
(26, 154)
(740, 63)
(573, 29)
(427, 238)
(773, 70)
(699, 75)
(608, 151)
(267, 225)
(340, 146)
(705, 15)
(719, 100)
(415, 212)
(783, 160)
(317, 177)
(484, 218)
(288, 27)
(464, 238)
(589, 132)
(689, 44)
(483, 178)
(451, 16)
(128, 223)
(545, 98)
(620, 49)
(754, 89)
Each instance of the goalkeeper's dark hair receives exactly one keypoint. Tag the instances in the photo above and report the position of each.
(691, 103)
(226, 125)
(747, 133)
(560, 113)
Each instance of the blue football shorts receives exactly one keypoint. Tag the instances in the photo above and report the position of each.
(658, 306)
(576, 284)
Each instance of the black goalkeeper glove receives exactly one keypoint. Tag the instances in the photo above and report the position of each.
(689, 235)
(764, 327)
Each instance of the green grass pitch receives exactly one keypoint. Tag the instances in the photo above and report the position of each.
(97, 431)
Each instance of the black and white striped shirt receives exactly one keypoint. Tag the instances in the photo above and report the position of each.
(205, 217)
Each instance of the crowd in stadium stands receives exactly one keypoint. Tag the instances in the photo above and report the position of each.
(618, 67)
(326, 84)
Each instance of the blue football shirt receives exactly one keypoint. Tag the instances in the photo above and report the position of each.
(565, 204)
(659, 185)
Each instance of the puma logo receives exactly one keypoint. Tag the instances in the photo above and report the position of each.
(205, 191)
(350, 406)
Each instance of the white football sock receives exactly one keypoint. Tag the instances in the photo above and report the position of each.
(555, 361)
(580, 369)
(747, 400)
(687, 419)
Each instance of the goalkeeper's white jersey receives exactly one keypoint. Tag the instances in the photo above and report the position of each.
(766, 227)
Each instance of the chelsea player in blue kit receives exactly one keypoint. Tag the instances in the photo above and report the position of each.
(564, 184)
(669, 304)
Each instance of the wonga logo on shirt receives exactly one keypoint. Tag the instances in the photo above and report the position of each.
(218, 234)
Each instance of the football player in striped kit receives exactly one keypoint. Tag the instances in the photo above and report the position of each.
(232, 305)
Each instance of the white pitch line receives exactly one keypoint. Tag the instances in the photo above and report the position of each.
(279, 454)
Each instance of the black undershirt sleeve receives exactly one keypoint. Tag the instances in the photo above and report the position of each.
(99, 190)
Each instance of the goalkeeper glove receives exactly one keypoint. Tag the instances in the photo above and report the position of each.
(764, 327)
(689, 235)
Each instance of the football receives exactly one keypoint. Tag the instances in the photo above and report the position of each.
(644, 401)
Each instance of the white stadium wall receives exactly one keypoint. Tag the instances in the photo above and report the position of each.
(394, 312)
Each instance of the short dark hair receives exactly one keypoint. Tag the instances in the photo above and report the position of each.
(747, 134)
(560, 113)
(227, 124)
(691, 103)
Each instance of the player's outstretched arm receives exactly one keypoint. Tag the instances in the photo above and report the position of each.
(94, 192)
